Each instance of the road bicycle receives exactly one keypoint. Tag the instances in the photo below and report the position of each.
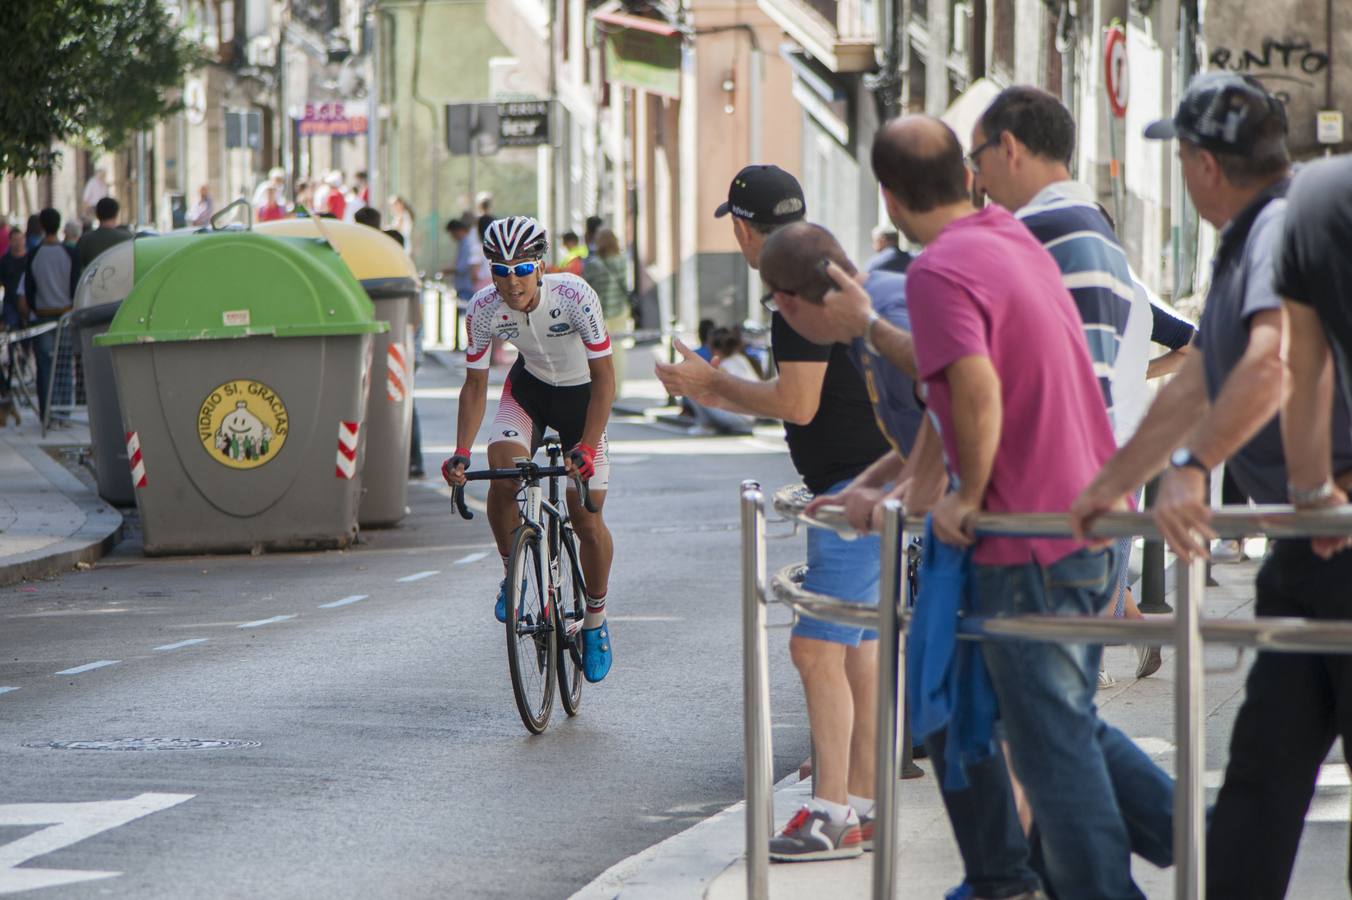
(546, 593)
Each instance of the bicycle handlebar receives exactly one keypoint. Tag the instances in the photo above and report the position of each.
(529, 472)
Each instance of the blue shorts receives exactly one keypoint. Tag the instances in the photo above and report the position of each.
(846, 570)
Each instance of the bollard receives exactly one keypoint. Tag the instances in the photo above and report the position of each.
(1152, 564)
(756, 696)
(891, 688)
(1189, 737)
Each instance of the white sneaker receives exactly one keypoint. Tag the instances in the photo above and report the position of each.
(1105, 680)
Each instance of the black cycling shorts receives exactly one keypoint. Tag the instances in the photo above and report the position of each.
(530, 407)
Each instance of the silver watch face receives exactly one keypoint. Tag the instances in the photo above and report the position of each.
(1181, 457)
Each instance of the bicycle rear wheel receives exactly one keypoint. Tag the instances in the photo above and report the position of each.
(571, 604)
(531, 637)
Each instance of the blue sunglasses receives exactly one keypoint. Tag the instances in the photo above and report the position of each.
(520, 270)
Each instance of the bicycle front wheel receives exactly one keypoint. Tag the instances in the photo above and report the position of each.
(531, 638)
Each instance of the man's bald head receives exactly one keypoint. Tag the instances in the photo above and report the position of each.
(790, 260)
(919, 160)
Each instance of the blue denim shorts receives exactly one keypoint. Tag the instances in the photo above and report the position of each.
(846, 570)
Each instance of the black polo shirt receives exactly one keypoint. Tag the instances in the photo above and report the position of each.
(1314, 265)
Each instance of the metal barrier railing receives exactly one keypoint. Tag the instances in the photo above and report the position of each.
(1187, 632)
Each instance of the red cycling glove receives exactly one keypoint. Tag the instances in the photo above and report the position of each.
(584, 460)
(459, 458)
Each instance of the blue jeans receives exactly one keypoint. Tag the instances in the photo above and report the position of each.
(44, 346)
(995, 854)
(1095, 795)
(846, 570)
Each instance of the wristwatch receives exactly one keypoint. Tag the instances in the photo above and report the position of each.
(1310, 496)
(873, 318)
(1183, 458)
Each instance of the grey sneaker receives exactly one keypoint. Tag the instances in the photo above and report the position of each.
(866, 833)
(810, 835)
(1148, 661)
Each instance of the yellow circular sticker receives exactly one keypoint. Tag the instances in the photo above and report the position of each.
(242, 424)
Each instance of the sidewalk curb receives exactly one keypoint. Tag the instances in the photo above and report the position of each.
(90, 542)
(682, 866)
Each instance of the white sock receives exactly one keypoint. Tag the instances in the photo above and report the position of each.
(596, 612)
(862, 805)
(839, 812)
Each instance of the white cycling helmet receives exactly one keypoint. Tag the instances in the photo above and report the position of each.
(515, 237)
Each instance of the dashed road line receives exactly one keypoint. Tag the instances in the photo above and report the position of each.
(181, 644)
(262, 622)
(419, 576)
(344, 602)
(89, 667)
(472, 558)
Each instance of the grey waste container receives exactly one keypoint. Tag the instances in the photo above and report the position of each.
(103, 285)
(242, 367)
(391, 281)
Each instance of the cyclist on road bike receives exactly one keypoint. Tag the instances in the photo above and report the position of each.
(564, 379)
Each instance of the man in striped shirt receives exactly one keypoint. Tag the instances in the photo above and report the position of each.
(1021, 153)
(1023, 144)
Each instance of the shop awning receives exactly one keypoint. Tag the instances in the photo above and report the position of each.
(640, 52)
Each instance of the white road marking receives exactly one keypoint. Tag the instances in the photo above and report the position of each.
(261, 622)
(472, 558)
(89, 667)
(645, 619)
(419, 576)
(476, 504)
(181, 644)
(344, 602)
(6, 690)
(68, 823)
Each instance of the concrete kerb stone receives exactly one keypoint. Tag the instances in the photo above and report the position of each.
(86, 543)
(684, 865)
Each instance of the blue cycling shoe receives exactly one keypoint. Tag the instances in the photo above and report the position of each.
(596, 656)
(501, 609)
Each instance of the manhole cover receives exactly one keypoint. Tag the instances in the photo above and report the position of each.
(145, 744)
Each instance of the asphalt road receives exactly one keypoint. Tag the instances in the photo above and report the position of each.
(385, 757)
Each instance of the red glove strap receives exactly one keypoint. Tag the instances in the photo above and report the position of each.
(461, 451)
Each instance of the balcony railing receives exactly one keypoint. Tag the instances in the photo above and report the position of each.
(839, 33)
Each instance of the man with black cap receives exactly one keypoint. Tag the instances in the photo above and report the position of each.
(1222, 406)
(832, 437)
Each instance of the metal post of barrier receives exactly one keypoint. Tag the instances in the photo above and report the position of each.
(441, 317)
(891, 685)
(756, 695)
(1189, 789)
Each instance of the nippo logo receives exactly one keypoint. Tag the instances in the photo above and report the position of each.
(243, 424)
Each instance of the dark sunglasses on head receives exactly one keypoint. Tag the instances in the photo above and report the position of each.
(520, 270)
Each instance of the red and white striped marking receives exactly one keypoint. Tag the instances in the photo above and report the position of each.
(138, 465)
(347, 449)
(396, 374)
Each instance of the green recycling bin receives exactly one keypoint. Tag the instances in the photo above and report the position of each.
(242, 366)
(390, 279)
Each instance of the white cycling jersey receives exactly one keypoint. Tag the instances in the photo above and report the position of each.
(556, 339)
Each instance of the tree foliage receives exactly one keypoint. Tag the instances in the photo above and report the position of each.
(91, 72)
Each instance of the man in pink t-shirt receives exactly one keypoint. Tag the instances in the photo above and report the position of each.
(1020, 418)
